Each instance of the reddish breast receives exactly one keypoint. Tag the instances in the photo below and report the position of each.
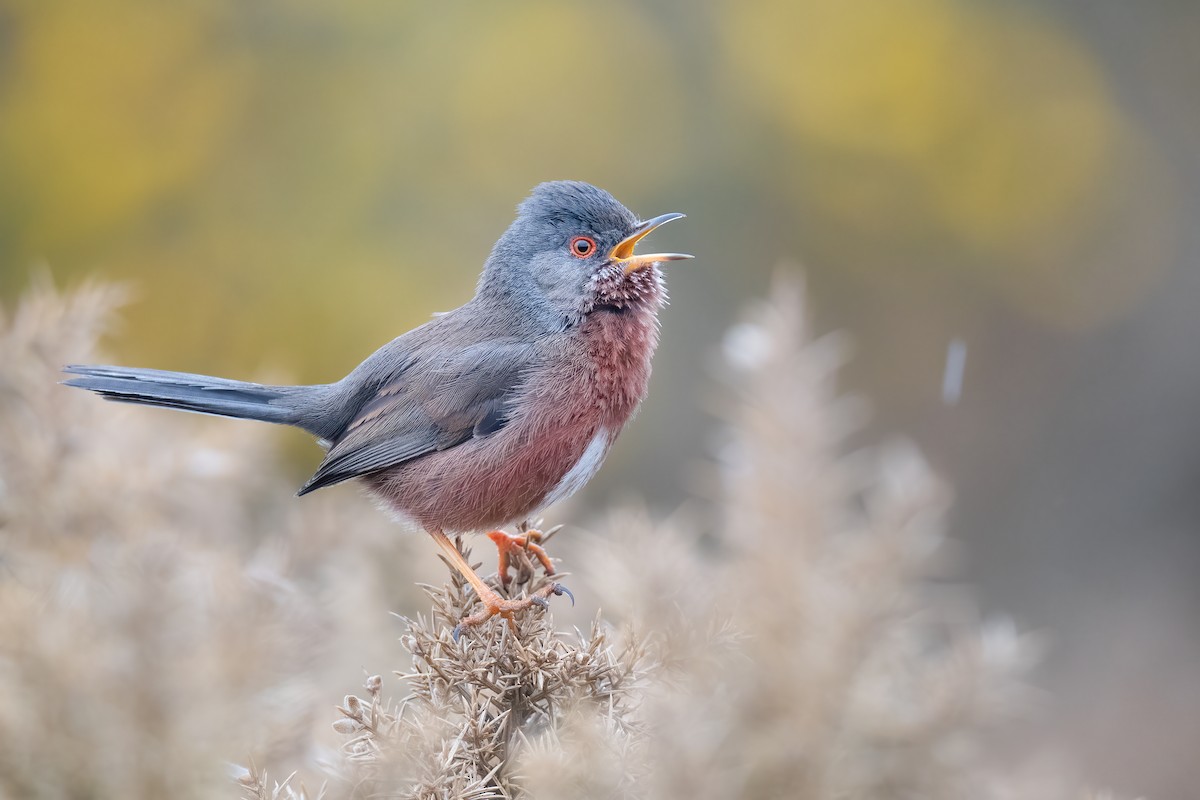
(562, 429)
(620, 344)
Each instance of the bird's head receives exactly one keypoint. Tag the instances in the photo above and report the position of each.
(573, 244)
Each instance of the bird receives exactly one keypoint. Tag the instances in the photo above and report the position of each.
(483, 416)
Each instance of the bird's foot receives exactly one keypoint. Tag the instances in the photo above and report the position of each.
(520, 551)
(495, 605)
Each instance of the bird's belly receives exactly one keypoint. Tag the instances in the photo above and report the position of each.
(583, 471)
(494, 481)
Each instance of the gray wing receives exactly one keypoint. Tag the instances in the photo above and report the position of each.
(432, 405)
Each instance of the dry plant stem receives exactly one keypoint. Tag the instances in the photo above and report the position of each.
(797, 649)
(520, 547)
(493, 604)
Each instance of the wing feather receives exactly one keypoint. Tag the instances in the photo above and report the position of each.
(432, 405)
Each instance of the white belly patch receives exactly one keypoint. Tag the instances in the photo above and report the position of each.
(582, 472)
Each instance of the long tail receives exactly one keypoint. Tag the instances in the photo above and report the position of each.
(200, 393)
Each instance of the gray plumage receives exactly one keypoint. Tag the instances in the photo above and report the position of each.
(462, 376)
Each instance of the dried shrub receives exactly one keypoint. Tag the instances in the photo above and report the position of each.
(800, 646)
(166, 608)
(472, 704)
(157, 615)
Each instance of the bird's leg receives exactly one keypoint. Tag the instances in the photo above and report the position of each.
(520, 546)
(493, 604)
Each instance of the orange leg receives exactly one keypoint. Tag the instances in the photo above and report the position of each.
(520, 546)
(493, 604)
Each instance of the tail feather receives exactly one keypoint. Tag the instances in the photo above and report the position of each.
(180, 390)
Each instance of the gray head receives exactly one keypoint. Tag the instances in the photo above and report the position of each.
(570, 249)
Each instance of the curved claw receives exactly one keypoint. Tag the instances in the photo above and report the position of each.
(560, 590)
(457, 632)
(540, 602)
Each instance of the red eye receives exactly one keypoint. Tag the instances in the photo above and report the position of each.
(582, 246)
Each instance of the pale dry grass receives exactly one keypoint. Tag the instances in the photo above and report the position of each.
(165, 608)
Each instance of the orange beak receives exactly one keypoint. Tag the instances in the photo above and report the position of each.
(623, 253)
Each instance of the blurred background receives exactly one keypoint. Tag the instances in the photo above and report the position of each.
(288, 185)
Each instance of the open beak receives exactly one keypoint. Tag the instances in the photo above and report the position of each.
(623, 253)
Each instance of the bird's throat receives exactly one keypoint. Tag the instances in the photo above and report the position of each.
(615, 290)
(620, 342)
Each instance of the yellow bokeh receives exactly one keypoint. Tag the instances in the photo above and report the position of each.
(1003, 122)
(984, 126)
(258, 158)
(538, 84)
(113, 106)
(868, 76)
